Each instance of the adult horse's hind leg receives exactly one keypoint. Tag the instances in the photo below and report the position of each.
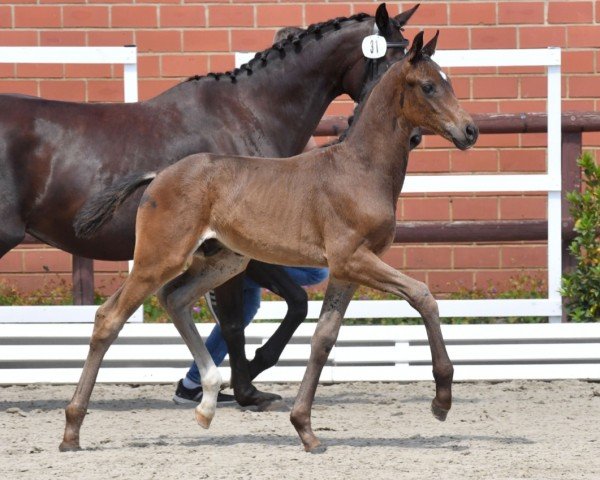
(12, 228)
(276, 279)
(337, 298)
(178, 298)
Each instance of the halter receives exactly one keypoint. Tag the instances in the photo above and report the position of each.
(372, 64)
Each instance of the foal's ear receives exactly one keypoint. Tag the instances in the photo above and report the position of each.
(414, 53)
(403, 18)
(429, 48)
(382, 19)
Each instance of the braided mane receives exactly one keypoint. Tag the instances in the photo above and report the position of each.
(295, 40)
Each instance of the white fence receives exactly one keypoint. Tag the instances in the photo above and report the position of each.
(154, 353)
(126, 56)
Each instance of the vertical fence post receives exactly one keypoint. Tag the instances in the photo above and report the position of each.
(83, 281)
(571, 180)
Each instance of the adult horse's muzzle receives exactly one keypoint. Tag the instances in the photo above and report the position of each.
(466, 137)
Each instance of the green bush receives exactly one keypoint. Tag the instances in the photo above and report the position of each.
(582, 286)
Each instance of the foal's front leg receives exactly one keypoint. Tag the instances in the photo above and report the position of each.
(368, 269)
(337, 298)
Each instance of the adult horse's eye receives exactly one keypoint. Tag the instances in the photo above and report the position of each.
(428, 88)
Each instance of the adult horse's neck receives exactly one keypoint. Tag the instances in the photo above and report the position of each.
(293, 90)
(380, 135)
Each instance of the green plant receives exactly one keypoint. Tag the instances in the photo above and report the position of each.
(582, 285)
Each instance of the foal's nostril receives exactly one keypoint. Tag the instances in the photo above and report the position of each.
(471, 132)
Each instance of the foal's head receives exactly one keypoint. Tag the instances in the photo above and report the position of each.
(427, 99)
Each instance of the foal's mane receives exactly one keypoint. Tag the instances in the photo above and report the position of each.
(295, 40)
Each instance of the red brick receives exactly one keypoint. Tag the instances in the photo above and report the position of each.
(320, 12)
(577, 62)
(476, 257)
(19, 86)
(230, 16)
(251, 40)
(6, 17)
(454, 38)
(449, 281)
(85, 16)
(158, 40)
(46, 261)
(584, 36)
(429, 14)
(520, 12)
(534, 140)
(580, 86)
(462, 87)
(517, 208)
(394, 257)
(221, 63)
(480, 106)
(74, 70)
(148, 66)
(495, 87)
(542, 37)
(534, 87)
(524, 256)
(425, 209)
(62, 38)
(39, 70)
(427, 161)
(522, 160)
(518, 106)
(112, 267)
(472, 13)
(498, 140)
(494, 37)
(182, 16)
(7, 70)
(474, 208)
(151, 88)
(579, 105)
(184, 65)
(111, 38)
(474, 160)
(10, 38)
(134, 16)
(340, 108)
(570, 12)
(278, 15)
(105, 91)
(69, 90)
(11, 262)
(37, 17)
(206, 41)
(425, 258)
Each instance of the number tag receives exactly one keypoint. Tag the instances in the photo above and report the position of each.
(374, 46)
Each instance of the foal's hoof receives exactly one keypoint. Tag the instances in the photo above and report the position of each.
(202, 419)
(319, 449)
(439, 412)
(69, 447)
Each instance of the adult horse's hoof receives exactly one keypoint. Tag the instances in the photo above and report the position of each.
(439, 412)
(202, 419)
(264, 402)
(69, 447)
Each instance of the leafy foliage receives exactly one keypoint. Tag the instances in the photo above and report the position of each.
(582, 286)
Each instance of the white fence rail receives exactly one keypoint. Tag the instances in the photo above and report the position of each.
(154, 353)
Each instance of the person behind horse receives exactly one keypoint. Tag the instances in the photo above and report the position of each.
(189, 389)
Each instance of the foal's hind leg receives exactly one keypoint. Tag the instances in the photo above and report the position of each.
(337, 298)
(366, 268)
(179, 296)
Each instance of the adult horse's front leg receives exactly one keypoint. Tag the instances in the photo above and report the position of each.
(230, 303)
(337, 298)
(368, 269)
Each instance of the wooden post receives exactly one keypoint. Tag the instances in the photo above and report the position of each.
(571, 180)
(83, 281)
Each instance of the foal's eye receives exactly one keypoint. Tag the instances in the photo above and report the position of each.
(428, 88)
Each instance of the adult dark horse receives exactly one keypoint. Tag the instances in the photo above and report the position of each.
(340, 211)
(55, 155)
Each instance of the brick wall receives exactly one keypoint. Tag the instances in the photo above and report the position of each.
(179, 38)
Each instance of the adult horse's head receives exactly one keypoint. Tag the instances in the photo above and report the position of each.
(426, 98)
(366, 69)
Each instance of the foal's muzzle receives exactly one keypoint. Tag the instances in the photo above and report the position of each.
(466, 137)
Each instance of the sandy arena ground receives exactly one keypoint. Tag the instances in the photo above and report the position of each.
(509, 430)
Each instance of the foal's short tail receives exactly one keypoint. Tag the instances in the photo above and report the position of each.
(100, 208)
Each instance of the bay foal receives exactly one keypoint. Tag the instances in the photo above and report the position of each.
(333, 206)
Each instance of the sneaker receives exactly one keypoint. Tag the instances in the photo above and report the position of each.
(211, 303)
(193, 396)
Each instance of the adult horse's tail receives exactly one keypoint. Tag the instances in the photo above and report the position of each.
(100, 208)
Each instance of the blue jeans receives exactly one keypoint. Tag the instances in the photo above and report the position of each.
(215, 343)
